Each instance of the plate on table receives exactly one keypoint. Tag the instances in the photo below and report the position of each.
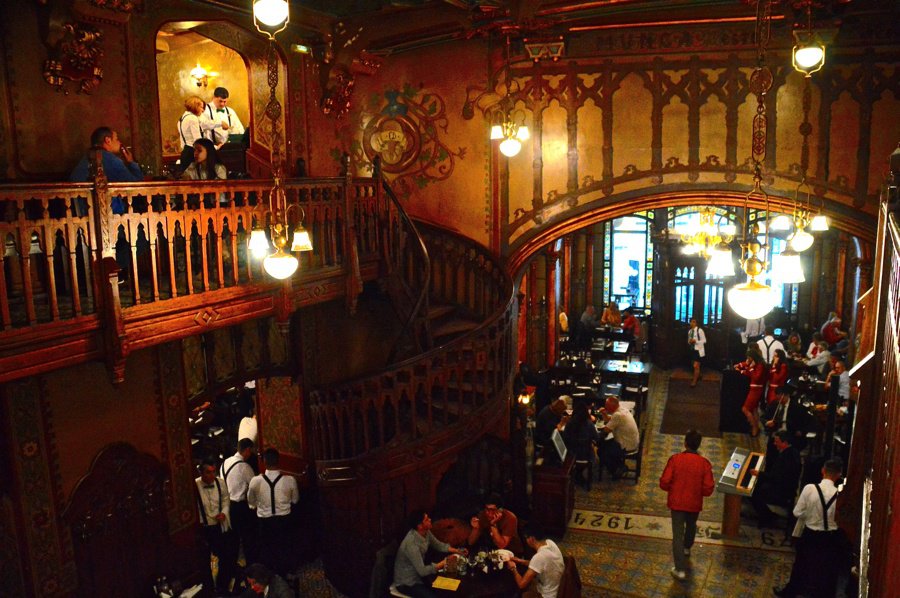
(504, 555)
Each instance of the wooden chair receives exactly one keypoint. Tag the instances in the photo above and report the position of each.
(635, 456)
(570, 586)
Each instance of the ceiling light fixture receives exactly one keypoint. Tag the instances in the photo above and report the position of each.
(274, 16)
(808, 55)
(508, 124)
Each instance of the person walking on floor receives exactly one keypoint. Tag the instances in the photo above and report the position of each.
(687, 478)
(697, 343)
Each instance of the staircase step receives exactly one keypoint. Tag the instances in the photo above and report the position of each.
(438, 311)
(454, 327)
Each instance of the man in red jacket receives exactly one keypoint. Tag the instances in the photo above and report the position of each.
(687, 478)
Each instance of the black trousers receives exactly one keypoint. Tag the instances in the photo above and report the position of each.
(225, 546)
(612, 456)
(245, 525)
(819, 561)
(275, 543)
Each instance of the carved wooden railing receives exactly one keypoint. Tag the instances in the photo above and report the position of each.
(382, 443)
(181, 248)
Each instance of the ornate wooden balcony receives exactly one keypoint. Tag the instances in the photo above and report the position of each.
(181, 248)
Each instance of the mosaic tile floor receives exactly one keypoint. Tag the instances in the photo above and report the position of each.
(613, 562)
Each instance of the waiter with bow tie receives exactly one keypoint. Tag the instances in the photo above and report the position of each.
(215, 522)
(219, 111)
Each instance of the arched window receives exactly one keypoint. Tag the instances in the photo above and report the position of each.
(628, 261)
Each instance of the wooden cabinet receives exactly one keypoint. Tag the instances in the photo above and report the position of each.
(553, 495)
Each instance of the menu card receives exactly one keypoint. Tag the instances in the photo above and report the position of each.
(445, 583)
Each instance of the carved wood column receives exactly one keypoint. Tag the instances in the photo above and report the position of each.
(522, 323)
(566, 275)
(589, 269)
(841, 272)
(552, 336)
(532, 299)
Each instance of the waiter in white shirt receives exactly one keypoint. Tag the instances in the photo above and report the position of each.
(768, 344)
(219, 111)
(237, 473)
(272, 494)
(213, 505)
(821, 545)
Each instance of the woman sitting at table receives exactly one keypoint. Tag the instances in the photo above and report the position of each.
(630, 324)
(580, 436)
(754, 368)
(191, 127)
(793, 346)
(813, 348)
(778, 375)
(611, 315)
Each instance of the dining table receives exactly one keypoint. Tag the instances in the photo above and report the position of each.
(495, 584)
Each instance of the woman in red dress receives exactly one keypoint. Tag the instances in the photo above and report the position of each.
(754, 368)
(778, 374)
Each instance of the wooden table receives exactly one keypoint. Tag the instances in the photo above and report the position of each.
(496, 584)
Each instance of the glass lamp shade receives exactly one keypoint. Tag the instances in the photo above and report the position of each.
(809, 58)
(271, 12)
(720, 261)
(280, 265)
(258, 245)
(496, 132)
(523, 134)
(751, 300)
(301, 241)
(819, 223)
(510, 147)
(782, 222)
(801, 240)
(787, 267)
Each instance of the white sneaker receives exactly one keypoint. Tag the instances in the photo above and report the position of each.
(679, 575)
(687, 552)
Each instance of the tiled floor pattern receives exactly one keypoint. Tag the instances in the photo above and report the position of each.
(613, 563)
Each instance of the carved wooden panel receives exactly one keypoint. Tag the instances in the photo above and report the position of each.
(117, 518)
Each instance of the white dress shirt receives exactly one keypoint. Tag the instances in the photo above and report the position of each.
(809, 507)
(191, 128)
(699, 338)
(259, 495)
(214, 500)
(767, 347)
(624, 429)
(237, 474)
(226, 114)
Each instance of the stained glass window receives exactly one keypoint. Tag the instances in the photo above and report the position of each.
(628, 261)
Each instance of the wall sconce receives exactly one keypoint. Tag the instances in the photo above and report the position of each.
(199, 76)
(808, 55)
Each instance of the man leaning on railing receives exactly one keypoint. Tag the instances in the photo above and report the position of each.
(118, 165)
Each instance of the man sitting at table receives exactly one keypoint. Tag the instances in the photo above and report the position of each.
(496, 525)
(821, 360)
(546, 566)
(409, 566)
(546, 421)
(777, 485)
(625, 437)
(586, 327)
(840, 372)
(787, 414)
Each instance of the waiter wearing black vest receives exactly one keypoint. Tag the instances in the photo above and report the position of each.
(272, 494)
(237, 473)
(214, 509)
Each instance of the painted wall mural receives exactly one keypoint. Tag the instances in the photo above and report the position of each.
(407, 128)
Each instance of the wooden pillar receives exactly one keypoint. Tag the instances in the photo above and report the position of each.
(566, 275)
(552, 335)
(522, 324)
(533, 316)
(589, 270)
(841, 272)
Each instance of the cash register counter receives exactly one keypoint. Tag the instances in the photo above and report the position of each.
(735, 483)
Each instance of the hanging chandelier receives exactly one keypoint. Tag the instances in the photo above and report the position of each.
(710, 241)
(270, 18)
(808, 54)
(508, 124)
(753, 299)
(800, 222)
